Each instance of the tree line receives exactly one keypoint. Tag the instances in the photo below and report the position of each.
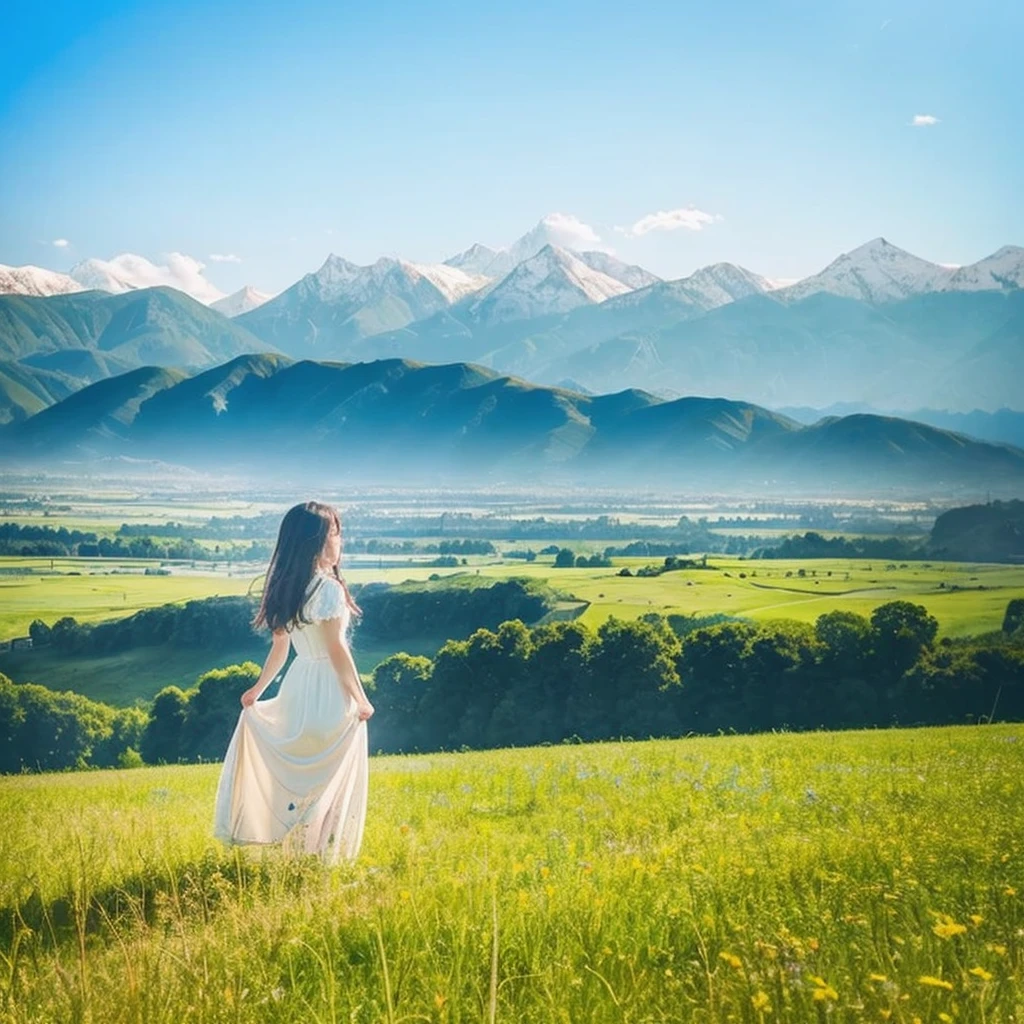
(60, 542)
(642, 678)
(563, 681)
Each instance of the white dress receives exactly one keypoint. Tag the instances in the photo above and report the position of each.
(297, 765)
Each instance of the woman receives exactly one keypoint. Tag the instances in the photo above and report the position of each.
(296, 767)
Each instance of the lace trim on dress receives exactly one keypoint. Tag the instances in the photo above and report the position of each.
(326, 601)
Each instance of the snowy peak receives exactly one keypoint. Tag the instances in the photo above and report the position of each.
(453, 283)
(874, 272)
(475, 260)
(128, 271)
(338, 280)
(561, 231)
(240, 302)
(722, 283)
(628, 274)
(552, 281)
(36, 281)
(1003, 270)
(705, 289)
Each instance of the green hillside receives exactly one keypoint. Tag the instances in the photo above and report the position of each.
(753, 878)
(150, 326)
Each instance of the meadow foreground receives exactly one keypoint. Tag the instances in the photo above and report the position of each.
(845, 876)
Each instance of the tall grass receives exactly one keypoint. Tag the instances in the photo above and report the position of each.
(845, 877)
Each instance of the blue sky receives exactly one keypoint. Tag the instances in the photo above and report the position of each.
(278, 133)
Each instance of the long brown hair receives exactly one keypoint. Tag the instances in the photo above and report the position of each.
(300, 540)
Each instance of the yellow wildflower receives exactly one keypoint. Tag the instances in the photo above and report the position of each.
(947, 929)
(976, 919)
(993, 947)
(877, 977)
(980, 972)
(1009, 891)
(439, 1000)
(731, 959)
(405, 894)
(821, 994)
(945, 1018)
(932, 982)
(761, 1002)
(813, 944)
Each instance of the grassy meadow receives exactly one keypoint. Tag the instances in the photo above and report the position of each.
(965, 597)
(862, 876)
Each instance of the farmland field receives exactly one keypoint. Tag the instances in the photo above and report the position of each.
(965, 597)
(862, 876)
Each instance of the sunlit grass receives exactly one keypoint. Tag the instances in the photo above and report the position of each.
(853, 876)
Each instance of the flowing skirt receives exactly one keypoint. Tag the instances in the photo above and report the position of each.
(296, 768)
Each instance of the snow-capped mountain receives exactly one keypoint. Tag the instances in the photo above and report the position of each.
(240, 302)
(338, 279)
(127, 272)
(629, 274)
(475, 260)
(708, 288)
(1003, 270)
(874, 272)
(552, 281)
(556, 229)
(328, 311)
(37, 281)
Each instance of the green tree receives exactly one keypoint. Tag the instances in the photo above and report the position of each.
(399, 685)
(1014, 617)
(565, 559)
(214, 707)
(162, 740)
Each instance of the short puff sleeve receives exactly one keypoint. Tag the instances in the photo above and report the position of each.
(327, 601)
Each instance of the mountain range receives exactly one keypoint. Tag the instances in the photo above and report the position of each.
(877, 325)
(397, 421)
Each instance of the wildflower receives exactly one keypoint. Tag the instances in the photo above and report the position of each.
(877, 977)
(945, 1018)
(1009, 891)
(544, 871)
(439, 1000)
(731, 959)
(405, 894)
(976, 919)
(932, 982)
(993, 947)
(947, 928)
(403, 828)
(813, 944)
(980, 972)
(761, 1002)
(821, 994)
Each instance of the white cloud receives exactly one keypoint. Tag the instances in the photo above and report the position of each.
(61, 243)
(688, 217)
(924, 120)
(128, 271)
(220, 257)
(570, 232)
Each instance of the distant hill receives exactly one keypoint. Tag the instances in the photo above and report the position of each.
(397, 421)
(25, 390)
(151, 326)
(1004, 426)
(993, 532)
(96, 420)
(949, 349)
